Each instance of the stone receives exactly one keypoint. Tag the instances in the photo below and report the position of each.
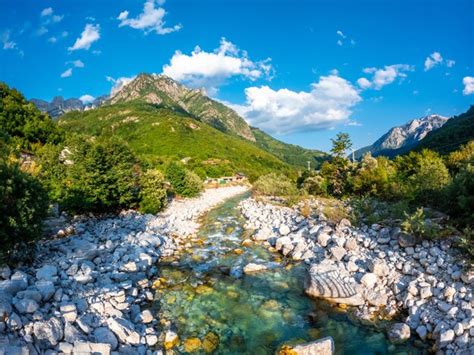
(69, 312)
(124, 330)
(324, 281)
(72, 334)
(18, 282)
(14, 322)
(425, 292)
(151, 340)
(351, 244)
(468, 276)
(283, 242)
(210, 342)
(171, 340)
(146, 316)
(252, 267)
(26, 305)
(46, 289)
(458, 329)
(338, 252)
(48, 333)
(47, 272)
(446, 337)
(399, 333)
(192, 345)
(369, 280)
(323, 239)
(406, 240)
(324, 346)
(104, 335)
(131, 266)
(83, 347)
(5, 309)
(65, 348)
(422, 332)
(379, 267)
(284, 229)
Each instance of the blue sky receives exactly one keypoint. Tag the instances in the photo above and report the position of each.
(301, 70)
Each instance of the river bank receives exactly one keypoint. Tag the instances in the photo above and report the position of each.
(379, 271)
(90, 291)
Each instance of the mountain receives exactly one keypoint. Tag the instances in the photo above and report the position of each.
(158, 135)
(457, 131)
(59, 106)
(289, 153)
(163, 91)
(403, 138)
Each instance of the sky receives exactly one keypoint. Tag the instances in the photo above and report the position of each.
(300, 70)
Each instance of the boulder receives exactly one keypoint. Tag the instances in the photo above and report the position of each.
(124, 330)
(46, 289)
(284, 229)
(324, 346)
(146, 316)
(379, 268)
(338, 252)
(369, 280)
(252, 267)
(72, 334)
(104, 335)
(398, 333)
(69, 312)
(324, 281)
(47, 272)
(26, 305)
(48, 333)
(83, 347)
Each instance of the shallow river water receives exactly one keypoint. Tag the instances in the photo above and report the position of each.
(213, 308)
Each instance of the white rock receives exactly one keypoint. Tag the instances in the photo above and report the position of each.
(399, 333)
(284, 229)
(26, 305)
(47, 272)
(446, 337)
(48, 333)
(124, 330)
(146, 316)
(69, 312)
(252, 267)
(369, 280)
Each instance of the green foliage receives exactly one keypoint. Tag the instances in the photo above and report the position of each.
(341, 144)
(23, 122)
(466, 243)
(315, 185)
(275, 185)
(184, 182)
(418, 225)
(23, 205)
(456, 160)
(336, 173)
(459, 196)
(159, 135)
(375, 177)
(289, 153)
(91, 175)
(153, 194)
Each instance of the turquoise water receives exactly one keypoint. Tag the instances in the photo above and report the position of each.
(202, 299)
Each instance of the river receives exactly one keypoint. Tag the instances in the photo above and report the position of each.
(212, 307)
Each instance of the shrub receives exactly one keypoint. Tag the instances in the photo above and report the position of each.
(375, 177)
(275, 185)
(184, 182)
(336, 175)
(315, 185)
(91, 175)
(418, 225)
(152, 191)
(460, 158)
(23, 205)
(459, 196)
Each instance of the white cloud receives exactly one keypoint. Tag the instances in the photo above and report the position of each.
(212, 69)
(151, 19)
(41, 31)
(90, 34)
(343, 39)
(67, 73)
(283, 111)
(364, 83)
(384, 76)
(77, 63)
(468, 82)
(118, 83)
(52, 39)
(87, 99)
(450, 63)
(339, 42)
(7, 42)
(433, 60)
(47, 12)
(340, 34)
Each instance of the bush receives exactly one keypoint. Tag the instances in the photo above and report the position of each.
(23, 205)
(315, 185)
(375, 177)
(275, 185)
(91, 175)
(184, 182)
(460, 158)
(152, 191)
(459, 196)
(336, 175)
(418, 225)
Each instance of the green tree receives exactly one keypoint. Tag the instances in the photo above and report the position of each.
(153, 194)
(340, 145)
(274, 184)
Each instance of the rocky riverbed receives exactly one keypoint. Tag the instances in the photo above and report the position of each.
(379, 272)
(89, 292)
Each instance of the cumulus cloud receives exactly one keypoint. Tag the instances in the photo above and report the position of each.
(212, 69)
(384, 76)
(87, 99)
(7, 42)
(435, 59)
(67, 73)
(118, 83)
(284, 111)
(342, 39)
(468, 82)
(90, 35)
(47, 12)
(49, 17)
(77, 63)
(151, 19)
